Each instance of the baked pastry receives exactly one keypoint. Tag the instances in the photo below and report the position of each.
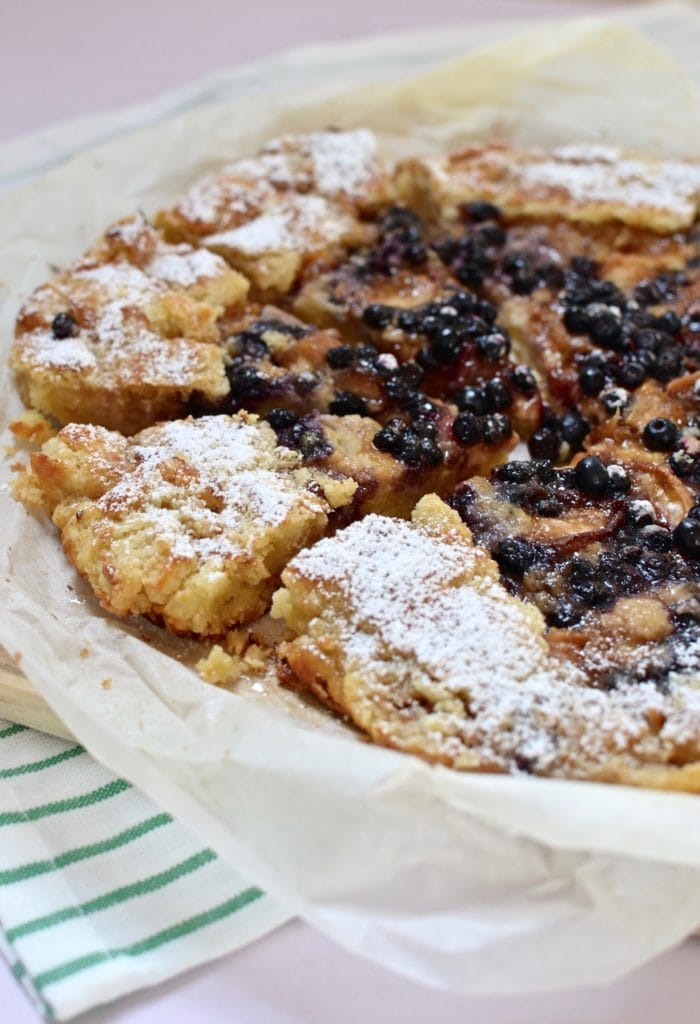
(189, 522)
(385, 340)
(129, 334)
(592, 184)
(298, 201)
(407, 630)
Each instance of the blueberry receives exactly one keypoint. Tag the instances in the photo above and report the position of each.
(281, 418)
(544, 444)
(524, 282)
(411, 374)
(64, 326)
(517, 261)
(668, 365)
(346, 403)
(492, 234)
(576, 320)
(618, 480)
(486, 310)
(496, 428)
(497, 395)
(515, 472)
(604, 326)
(646, 358)
(591, 475)
(631, 374)
(549, 508)
(660, 434)
(466, 428)
(686, 537)
(615, 399)
(682, 463)
(313, 445)
(408, 321)
(648, 339)
(648, 294)
(493, 346)
(656, 538)
(431, 452)
(573, 428)
(564, 615)
(411, 449)
(640, 513)
(446, 345)
(515, 555)
(584, 266)
(248, 384)
(523, 379)
(592, 380)
(417, 404)
(340, 357)
(669, 322)
(472, 399)
(388, 439)
(463, 302)
(694, 512)
(366, 354)
(480, 210)
(415, 253)
(377, 316)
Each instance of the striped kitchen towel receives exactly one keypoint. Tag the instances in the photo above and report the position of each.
(100, 893)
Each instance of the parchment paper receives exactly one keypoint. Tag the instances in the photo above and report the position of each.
(476, 883)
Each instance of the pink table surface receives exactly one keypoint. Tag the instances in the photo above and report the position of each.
(77, 57)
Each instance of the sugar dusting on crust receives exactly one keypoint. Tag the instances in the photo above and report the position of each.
(183, 266)
(325, 165)
(300, 222)
(602, 174)
(207, 488)
(116, 340)
(453, 657)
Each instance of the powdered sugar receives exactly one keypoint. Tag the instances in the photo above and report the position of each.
(183, 266)
(422, 620)
(209, 488)
(300, 222)
(589, 175)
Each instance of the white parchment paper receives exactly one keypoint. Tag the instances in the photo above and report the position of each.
(476, 883)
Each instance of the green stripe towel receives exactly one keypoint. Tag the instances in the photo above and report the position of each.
(100, 893)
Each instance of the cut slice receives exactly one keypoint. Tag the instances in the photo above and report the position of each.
(589, 183)
(129, 333)
(406, 629)
(189, 522)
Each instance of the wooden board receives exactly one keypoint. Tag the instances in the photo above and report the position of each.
(20, 702)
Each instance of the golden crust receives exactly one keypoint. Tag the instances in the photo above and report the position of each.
(140, 332)
(297, 202)
(593, 184)
(188, 522)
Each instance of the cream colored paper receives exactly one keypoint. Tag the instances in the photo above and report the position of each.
(476, 883)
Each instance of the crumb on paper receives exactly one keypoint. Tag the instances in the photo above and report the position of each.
(241, 657)
(84, 651)
(32, 427)
(106, 683)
